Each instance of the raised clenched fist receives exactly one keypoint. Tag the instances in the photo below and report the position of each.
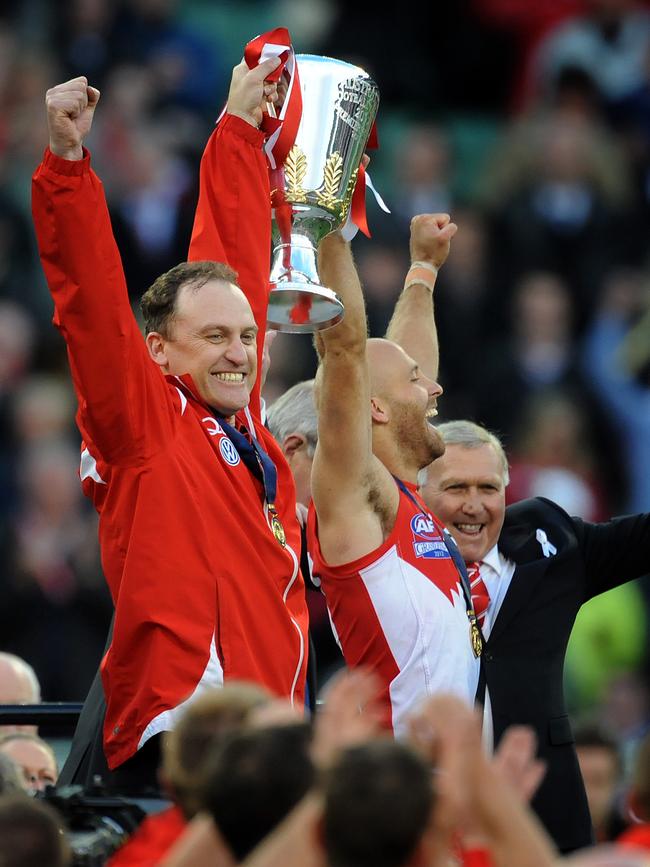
(70, 108)
(431, 235)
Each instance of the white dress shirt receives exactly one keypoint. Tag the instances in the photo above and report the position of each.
(496, 572)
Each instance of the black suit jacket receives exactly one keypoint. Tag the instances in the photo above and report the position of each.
(524, 656)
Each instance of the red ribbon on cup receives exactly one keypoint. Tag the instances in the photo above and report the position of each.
(281, 131)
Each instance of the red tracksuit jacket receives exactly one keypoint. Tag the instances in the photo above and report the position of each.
(203, 591)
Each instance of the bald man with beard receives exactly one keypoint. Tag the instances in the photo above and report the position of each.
(391, 575)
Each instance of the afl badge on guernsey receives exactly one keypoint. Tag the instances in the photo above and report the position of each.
(475, 637)
(276, 526)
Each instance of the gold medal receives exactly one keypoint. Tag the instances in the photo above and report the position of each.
(276, 526)
(475, 637)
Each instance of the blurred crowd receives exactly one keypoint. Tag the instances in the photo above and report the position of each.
(529, 123)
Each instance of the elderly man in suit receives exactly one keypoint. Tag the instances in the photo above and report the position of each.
(531, 567)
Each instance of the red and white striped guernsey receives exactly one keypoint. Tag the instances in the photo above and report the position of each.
(400, 612)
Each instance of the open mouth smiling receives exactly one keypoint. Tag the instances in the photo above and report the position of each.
(469, 529)
(230, 377)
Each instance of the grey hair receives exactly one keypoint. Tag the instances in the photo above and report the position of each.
(470, 436)
(295, 412)
(9, 776)
(24, 668)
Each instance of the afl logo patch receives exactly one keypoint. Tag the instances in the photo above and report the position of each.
(424, 528)
(427, 538)
(228, 452)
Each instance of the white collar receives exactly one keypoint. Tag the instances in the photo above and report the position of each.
(494, 560)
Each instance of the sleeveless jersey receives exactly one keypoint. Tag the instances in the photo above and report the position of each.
(400, 612)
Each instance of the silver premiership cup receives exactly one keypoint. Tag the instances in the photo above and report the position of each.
(312, 192)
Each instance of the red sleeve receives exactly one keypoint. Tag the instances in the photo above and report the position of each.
(124, 405)
(233, 216)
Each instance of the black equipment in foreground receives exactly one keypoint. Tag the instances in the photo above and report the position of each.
(98, 823)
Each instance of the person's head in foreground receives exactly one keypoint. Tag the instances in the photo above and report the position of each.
(208, 720)
(31, 834)
(378, 807)
(256, 778)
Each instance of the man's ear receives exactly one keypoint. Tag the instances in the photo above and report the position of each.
(378, 411)
(293, 443)
(156, 346)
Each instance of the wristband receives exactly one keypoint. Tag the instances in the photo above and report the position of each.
(421, 274)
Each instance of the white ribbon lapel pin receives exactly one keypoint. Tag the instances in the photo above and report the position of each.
(548, 548)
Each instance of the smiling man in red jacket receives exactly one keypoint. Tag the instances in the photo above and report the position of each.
(198, 531)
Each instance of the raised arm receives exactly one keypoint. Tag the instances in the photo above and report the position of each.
(346, 477)
(615, 552)
(123, 404)
(472, 792)
(412, 325)
(233, 216)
